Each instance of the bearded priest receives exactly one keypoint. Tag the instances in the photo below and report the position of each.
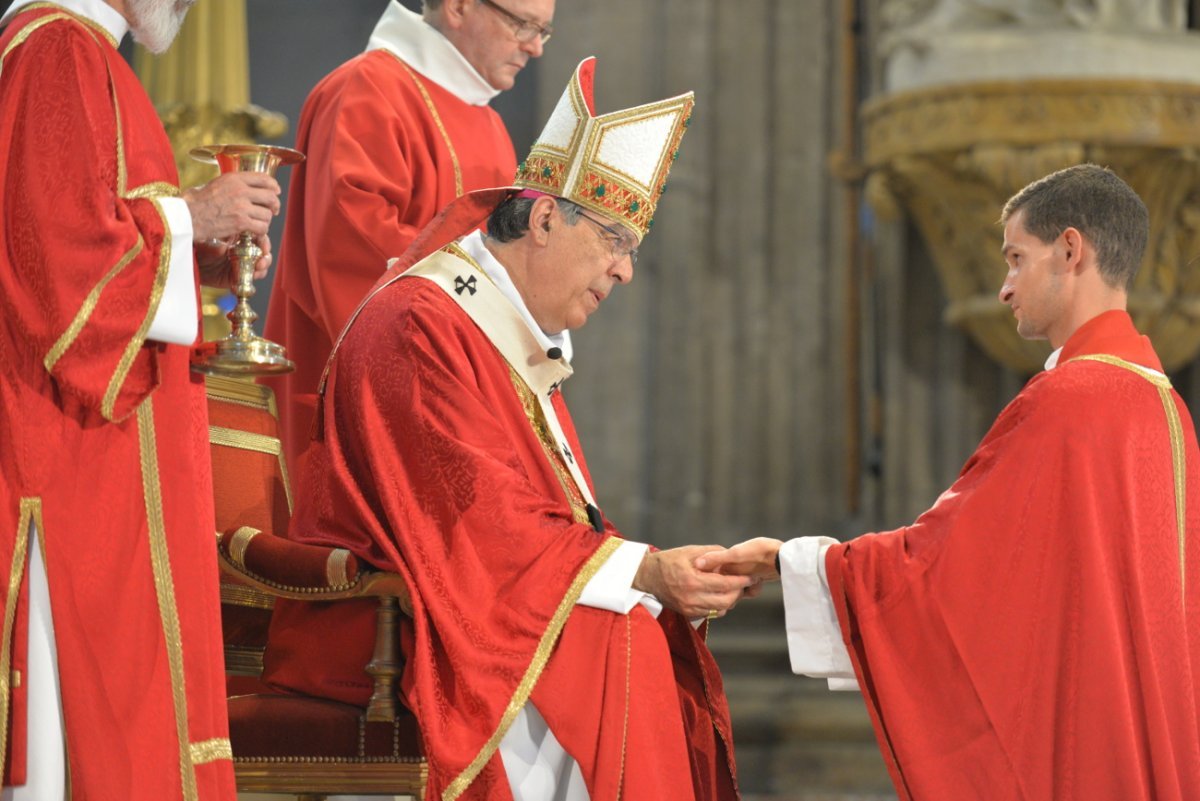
(111, 639)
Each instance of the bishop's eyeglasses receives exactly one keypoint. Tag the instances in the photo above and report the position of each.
(616, 240)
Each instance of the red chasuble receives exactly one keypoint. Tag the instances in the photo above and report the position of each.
(387, 149)
(1036, 634)
(435, 463)
(103, 435)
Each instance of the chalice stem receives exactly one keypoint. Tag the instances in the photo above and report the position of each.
(244, 255)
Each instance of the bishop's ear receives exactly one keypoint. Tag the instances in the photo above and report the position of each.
(540, 214)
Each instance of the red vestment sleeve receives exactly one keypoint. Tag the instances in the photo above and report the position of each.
(1026, 638)
(88, 261)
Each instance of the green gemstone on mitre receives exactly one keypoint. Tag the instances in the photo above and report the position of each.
(547, 172)
(600, 190)
(634, 206)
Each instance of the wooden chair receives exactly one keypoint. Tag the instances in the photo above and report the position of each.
(290, 744)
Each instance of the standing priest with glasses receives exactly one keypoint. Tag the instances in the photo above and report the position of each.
(392, 136)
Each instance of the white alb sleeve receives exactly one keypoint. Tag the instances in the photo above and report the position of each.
(177, 319)
(612, 586)
(814, 638)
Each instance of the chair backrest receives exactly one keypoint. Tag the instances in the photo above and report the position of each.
(250, 488)
(288, 743)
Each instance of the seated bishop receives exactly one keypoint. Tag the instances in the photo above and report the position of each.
(546, 656)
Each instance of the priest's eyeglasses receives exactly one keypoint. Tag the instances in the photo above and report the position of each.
(525, 30)
(616, 240)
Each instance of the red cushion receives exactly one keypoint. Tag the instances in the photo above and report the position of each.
(289, 564)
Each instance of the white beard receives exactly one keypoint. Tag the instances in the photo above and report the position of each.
(155, 23)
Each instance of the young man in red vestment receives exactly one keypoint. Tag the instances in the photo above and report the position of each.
(111, 677)
(392, 136)
(540, 661)
(1034, 635)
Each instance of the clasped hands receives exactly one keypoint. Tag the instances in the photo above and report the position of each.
(708, 580)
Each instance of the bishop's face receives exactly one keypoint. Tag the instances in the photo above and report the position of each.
(155, 23)
(579, 267)
(1033, 287)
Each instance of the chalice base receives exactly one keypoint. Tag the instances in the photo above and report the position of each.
(242, 356)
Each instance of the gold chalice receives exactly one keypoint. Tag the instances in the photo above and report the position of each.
(243, 352)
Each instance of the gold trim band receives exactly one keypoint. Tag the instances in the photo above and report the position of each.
(437, 120)
(65, 13)
(207, 751)
(541, 656)
(335, 568)
(164, 587)
(131, 350)
(245, 440)
(30, 510)
(239, 543)
(89, 305)
(153, 189)
(1178, 456)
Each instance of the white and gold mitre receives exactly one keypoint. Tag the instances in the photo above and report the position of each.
(615, 164)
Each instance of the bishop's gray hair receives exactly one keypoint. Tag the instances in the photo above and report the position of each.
(510, 220)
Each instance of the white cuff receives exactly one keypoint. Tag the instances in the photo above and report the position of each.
(177, 319)
(612, 586)
(814, 638)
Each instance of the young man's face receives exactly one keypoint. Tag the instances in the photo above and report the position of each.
(579, 267)
(1033, 286)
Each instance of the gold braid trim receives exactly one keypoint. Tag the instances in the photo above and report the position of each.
(153, 189)
(28, 30)
(437, 120)
(244, 440)
(239, 543)
(68, 14)
(207, 751)
(335, 568)
(537, 420)
(1179, 465)
(109, 403)
(89, 305)
(30, 510)
(534, 671)
(1178, 456)
(249, 441)
(625, 724)
(164, 587)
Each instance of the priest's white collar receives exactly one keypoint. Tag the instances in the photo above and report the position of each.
(1052, 359)
(97, 11)
(421, 46)
(472, 243)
